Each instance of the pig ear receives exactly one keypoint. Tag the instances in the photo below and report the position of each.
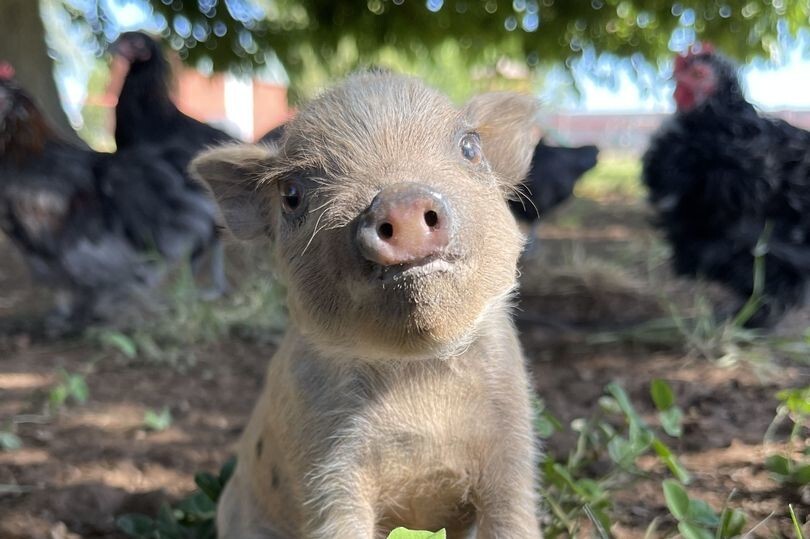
(234, 174)
(507, 124)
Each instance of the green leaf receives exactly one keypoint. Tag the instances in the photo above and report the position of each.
(119, 341)
(701, 513)
(662, 395)
(569, 480)
(166, 515)
(137, 526)
(57, 397)
(552, 478)
(158, 421)
(594, 490)
(732, 522)
(671, 420)
(801, 475)
(691, 531)
(203, 530)
(640, 436)
(403, 533)
(543, 426)
(198, 506)
(618, 449)
(676, 498)
(209, 485)
(797, 400)
(167, 525)
(609, 405)
(9, 441)
(226, 471)
(671, 461)
(77, 388)
(778, 464)
(623, 401)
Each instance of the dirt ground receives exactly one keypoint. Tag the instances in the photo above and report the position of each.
(78, 469)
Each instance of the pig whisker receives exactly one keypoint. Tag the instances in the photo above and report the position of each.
(314, 232)
(320, 181)
(518, 192)
(523, 196)
(313, 210)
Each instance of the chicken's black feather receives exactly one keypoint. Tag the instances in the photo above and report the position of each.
(146, 116)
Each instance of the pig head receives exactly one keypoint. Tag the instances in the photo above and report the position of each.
(386, 208)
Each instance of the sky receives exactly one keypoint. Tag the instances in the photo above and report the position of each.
(776, 84)
(771, 85)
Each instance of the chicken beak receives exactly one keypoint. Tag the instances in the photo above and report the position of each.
(119, 67)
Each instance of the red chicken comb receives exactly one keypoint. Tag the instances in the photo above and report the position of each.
(6, 71)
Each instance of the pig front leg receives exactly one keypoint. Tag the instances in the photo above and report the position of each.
(510, 514)
(338, 500)
(342, 518)
(506, 501)
(239, 516)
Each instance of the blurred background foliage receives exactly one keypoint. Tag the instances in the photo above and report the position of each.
(496, 40)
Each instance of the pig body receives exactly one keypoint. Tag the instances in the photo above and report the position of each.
(428, 444)
(399, 395)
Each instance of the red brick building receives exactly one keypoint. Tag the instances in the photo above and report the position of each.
(249, 107)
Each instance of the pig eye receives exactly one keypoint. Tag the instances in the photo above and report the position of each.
(292, 195)
(470, 145)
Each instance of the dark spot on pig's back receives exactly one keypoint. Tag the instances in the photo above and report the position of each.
(259, 448)
(275, 477)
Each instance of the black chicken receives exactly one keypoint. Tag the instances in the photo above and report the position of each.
(722, 179)
(94, 226)
(146, 115)
(553, 174)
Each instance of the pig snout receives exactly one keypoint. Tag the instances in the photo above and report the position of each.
(405, 224)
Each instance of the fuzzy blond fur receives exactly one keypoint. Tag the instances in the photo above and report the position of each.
(398, 403)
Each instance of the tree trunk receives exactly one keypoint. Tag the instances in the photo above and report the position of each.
(22, 43)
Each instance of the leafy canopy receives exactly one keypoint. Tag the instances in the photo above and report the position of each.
(326, 33)
(539, 29)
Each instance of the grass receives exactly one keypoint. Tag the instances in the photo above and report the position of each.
(575, 272)
(612, 439)
(254, 311)
(70, 389)
(616, 176)
(700, 332)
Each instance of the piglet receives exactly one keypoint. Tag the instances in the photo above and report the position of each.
(398, 395)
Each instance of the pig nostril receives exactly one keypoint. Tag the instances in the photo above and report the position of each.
(431, 218)
(386, 231)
